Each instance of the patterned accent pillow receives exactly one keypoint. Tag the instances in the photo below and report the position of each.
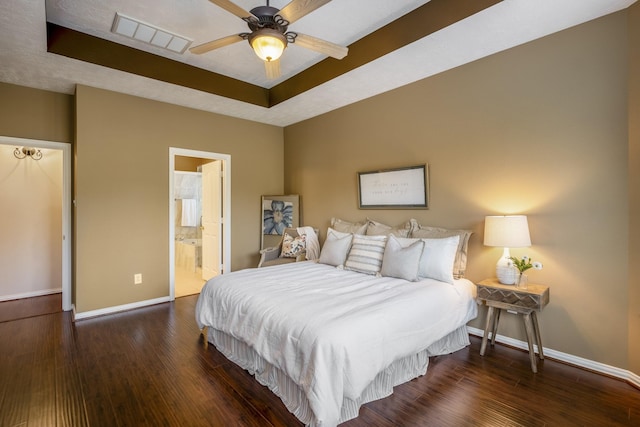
(366, 254)
(293, 246)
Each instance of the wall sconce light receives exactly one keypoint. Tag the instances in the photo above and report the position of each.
(34, 153)
(508, 231)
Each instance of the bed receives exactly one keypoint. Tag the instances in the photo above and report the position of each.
(326, 340)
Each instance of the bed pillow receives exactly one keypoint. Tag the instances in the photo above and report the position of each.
(365, 255)
(401, 261)
(375, 228)
(336, 247)
(423, 231)
(437, 258)
(348, 227)
(293, 246)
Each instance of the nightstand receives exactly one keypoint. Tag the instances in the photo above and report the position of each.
(524, 302)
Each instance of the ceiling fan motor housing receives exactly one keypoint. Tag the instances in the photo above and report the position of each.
(267, 17)
(267, 37)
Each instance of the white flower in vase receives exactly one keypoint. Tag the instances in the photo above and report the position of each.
(522, 265)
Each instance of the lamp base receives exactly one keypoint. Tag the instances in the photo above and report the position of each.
(506, 273)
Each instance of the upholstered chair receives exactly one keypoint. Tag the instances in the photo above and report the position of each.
(274, 256)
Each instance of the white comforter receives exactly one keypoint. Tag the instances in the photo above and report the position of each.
(331, 331)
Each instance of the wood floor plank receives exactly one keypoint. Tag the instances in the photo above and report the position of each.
(30, 307)
(42, 403)
(15, 406)
(148, 367)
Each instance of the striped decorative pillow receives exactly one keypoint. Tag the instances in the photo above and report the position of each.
(366, 254)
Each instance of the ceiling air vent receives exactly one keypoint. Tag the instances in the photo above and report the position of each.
(141, 31)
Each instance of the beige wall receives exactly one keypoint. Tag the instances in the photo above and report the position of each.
(35, 114)
(122, 179)
(634, 185)
(540, 129)
(189, 164)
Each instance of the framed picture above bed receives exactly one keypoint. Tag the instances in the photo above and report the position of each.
(398, 188)
(278, 213)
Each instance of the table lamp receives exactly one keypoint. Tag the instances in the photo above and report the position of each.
(506, 231)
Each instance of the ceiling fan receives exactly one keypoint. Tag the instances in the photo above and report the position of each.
(269, 36)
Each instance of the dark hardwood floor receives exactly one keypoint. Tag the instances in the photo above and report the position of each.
(30, 307)
(147, 367)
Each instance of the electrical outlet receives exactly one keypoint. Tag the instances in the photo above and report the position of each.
(137, 279)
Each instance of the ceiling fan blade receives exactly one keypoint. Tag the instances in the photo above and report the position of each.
(296, 9)
(231, 7)
(272, 69)
(322, 46)
(215, 44)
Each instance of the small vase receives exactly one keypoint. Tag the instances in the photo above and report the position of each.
(522, 280)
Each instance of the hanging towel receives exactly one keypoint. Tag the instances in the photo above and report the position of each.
(313, 246)
(189, 213)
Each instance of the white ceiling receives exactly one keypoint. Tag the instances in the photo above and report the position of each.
(24, 59)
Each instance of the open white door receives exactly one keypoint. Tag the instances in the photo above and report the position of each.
(211, 219)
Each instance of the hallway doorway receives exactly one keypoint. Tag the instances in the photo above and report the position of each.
(36, 249)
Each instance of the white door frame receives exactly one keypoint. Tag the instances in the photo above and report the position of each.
(66, 206)
(226, 209)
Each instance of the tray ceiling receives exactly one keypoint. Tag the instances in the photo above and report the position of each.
(391, 44)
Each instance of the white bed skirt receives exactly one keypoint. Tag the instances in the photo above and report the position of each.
(293, 397)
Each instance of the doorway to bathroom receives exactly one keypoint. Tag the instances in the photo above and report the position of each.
(199, 212)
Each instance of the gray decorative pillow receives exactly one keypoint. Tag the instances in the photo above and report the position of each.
(401, 261)
(366, 254)
(437, 257)
(375, 228)
(348, 227)
(335, 248)
(424, 231)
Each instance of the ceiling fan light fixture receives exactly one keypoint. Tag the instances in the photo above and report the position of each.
(268, 44)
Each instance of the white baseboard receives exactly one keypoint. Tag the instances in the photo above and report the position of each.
(30, 294)
(570, 359)
(118, 308)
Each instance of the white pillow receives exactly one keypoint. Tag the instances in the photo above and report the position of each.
(335, 248)
(437, 257)
(366, 254)
(400, 261)
(375, 228)
(348, 227)
(427, 232)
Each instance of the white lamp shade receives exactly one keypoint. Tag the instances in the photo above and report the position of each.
(507, 231)
(268, 44)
